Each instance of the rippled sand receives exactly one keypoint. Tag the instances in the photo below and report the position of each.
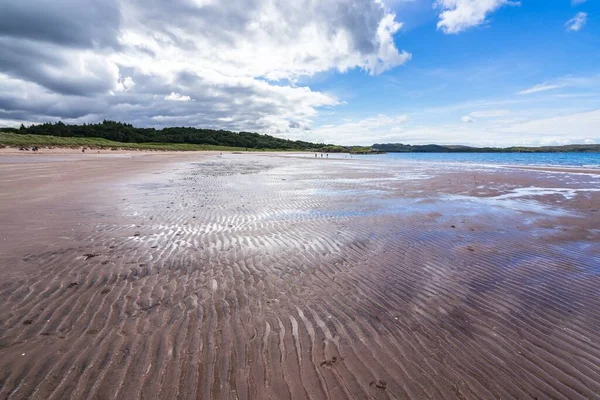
(260, 276)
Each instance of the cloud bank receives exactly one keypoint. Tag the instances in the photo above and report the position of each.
(577, 127)
(231, 65)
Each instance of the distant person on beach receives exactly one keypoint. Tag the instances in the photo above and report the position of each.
(83, 150)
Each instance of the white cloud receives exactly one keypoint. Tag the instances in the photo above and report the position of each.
(577, 2)
(459, 15)
(589, 141)
(177, 97)
(577, 22)
(582, 82)
(273, 40)
(125, 84)
(540, 88)
(467, 120)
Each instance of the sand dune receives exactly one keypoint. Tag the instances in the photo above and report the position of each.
(257, 277)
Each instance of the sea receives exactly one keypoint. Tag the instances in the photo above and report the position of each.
(582, 160)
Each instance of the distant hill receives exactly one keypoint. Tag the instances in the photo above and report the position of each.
(434, 148)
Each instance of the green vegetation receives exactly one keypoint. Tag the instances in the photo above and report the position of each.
(571, 148)
(19, 140)
(126, 133)
(364, 150)
(349, 149)
(434, 148)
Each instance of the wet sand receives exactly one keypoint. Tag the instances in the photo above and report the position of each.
(199, 276)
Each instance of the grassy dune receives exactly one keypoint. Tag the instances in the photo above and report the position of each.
(17, 140)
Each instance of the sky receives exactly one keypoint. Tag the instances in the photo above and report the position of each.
(350, 72)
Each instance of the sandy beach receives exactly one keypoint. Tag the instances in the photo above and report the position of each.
(266, 276)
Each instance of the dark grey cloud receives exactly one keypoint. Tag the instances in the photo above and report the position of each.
(80, 23)
(55, 68)
(228, 107)
(358, 18)
(60, 44)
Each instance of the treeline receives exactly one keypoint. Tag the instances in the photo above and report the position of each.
(127, 133)
(435, 148)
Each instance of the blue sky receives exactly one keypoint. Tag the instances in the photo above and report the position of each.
(478, 72)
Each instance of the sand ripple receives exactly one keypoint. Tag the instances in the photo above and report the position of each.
(271, 279)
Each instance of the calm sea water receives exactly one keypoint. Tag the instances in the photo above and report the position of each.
(588, 160)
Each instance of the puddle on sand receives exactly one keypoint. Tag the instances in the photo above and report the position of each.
(515, 203)
(567, 193)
